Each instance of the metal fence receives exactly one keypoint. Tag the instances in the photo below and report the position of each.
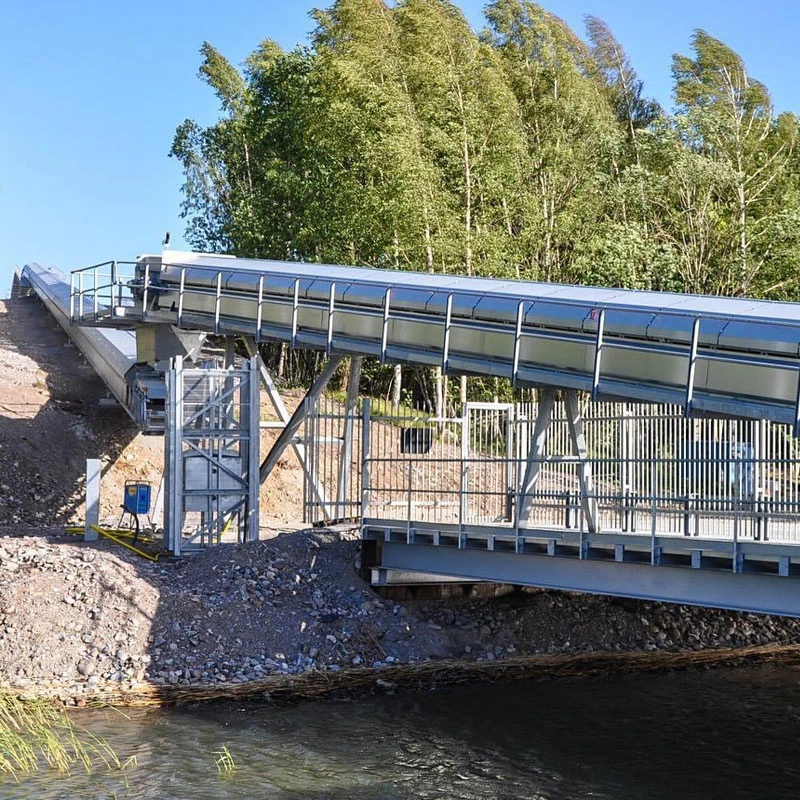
(332, 486)
(653, 470)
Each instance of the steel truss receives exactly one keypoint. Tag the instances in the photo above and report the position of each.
(211, 455)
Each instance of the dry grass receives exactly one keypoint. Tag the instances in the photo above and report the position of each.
(424, 675)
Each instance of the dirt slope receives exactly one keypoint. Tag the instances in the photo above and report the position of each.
(54, 415)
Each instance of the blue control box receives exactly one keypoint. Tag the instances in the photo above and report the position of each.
(137, 497)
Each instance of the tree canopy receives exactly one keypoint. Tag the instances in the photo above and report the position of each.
(400, 137)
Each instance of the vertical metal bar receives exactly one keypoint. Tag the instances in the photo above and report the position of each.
(687, 405)
(385, 330)
(217, 302)
(114, 280)
(72, 297)
(598, 353)
(517, 342)
(173, 529)
(464, 481)
(351, 402)
(95, 294)
(181, 292)
(146, 290)
(80, 296)
(737, 478)
(366, 456)
(253, 447)
(510, 444)
(259, 312)
(117, 282)
(295, 306)
(653, 511)
(410, 463)
(446, 340)
(796, 425)
(331, 302)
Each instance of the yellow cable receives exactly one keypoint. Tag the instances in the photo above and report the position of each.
(109, 535)
(124, 533)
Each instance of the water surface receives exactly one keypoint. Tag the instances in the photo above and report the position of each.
(726, 733)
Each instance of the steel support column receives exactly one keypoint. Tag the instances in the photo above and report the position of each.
(536, 453)
(211, 454)
(579, 449)
(351, 404)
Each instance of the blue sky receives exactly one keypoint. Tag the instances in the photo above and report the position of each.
(91, 92)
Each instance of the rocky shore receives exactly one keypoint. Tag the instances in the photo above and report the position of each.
(77, 618)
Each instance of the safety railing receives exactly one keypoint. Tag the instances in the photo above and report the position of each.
(413, 499)
(102, 292)
(649, 469)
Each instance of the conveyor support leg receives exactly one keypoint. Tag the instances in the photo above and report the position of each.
(283, 414)
(579, 449)
(533, 468)
(293, 425)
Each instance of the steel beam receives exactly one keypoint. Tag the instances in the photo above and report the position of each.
(284, 416)
(579, 449)
(351, 404)
(762, 594)
(536, 453)
(299, 416)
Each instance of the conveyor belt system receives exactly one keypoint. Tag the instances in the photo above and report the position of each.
(714, 355)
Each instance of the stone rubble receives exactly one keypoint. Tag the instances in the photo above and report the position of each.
(84, 615)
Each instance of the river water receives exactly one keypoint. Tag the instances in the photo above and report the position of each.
(719, 734)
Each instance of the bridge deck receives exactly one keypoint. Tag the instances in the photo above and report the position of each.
(724, 573)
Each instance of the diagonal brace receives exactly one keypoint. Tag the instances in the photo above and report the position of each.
(579, 448)
(536, 454)
(283, 414)
(297, 419)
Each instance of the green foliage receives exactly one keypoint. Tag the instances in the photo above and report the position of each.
(401, 138)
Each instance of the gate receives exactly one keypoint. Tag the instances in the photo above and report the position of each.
(332, 440)
(489, 479)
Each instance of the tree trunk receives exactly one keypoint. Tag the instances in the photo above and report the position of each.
(282, 361)
(397, 385)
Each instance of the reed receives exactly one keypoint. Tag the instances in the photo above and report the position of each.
(224, 761)
(37, 732)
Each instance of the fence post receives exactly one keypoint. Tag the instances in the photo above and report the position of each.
(687, 516)
(736, 508)
(653, 508)
(365, 457)
(408, 506)
(464, 483)
(568, 509)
